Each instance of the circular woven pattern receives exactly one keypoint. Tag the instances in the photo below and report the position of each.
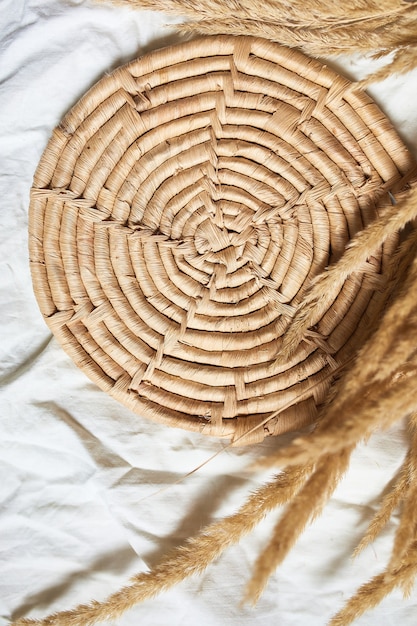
(179, 214)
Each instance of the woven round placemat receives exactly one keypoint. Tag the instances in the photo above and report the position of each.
(179, 214)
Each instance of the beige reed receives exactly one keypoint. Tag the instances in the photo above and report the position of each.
(317, 27)
(217, 230)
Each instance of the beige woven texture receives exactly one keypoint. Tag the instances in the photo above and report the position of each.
(181, 211)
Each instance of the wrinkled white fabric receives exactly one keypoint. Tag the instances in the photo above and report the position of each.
(78, 472)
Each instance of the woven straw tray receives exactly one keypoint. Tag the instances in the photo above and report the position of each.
(179, 214)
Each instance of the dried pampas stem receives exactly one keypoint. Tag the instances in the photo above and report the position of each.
(304, 506)
(401, 490)
(326, 286)
(404, 60)
(407, 530)
(326, 28)
(383, 404)
(374, 591)
(374, 392)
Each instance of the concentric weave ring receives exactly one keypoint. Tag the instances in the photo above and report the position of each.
(181, 211)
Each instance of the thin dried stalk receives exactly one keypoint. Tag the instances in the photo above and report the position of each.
(323, 14)
(390, 502)
(192, 558)
(383, 404)
(402, 567)
(401, 279)
(374, 591)
(316, 42)
(405, 60)
(376, 391)
(305, 506)
(328, 284)
(357, 9)
(407, 529)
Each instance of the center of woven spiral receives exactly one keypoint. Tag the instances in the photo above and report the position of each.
(228, 245)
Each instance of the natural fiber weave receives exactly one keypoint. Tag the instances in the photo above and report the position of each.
(182, 210)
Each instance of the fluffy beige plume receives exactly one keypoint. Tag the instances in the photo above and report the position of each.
(305, 505)
(392, 499)
(407, 528)
(328, 284)
(381, 405)
(326, 28)
(404, 60)
(375, 392)
(373, 592)
(322, 12)
(317, 42)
